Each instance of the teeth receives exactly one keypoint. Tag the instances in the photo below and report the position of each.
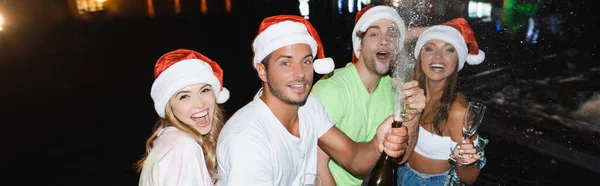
(297, 86)
(201, 114)
(437, 65)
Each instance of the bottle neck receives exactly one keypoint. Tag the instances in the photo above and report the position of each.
(396, 124)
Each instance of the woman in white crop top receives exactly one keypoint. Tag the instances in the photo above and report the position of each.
(440, 53)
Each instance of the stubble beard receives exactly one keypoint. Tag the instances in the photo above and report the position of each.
(279, 94)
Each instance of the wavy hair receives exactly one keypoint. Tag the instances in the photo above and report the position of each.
(443, 109)
(208, 142)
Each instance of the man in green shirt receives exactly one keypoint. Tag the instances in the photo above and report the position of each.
(360, 96)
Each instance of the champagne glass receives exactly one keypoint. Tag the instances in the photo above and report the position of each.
(471, 122)
(473, 117)
(310, 179)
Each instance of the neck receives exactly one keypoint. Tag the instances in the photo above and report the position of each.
(286, 113)
(434, 89)
(369, 78)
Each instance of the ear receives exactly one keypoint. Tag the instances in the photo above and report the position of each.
(262, 72)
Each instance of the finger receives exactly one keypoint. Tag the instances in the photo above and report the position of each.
(394, 153)
(468, 151)
(401, 131)
(395, 138)
(395, 146)
(467, 146)
(466, 141)
(410, 84)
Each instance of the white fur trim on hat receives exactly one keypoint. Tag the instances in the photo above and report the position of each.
(373, 15)
(223, 96)
(180, 75)
(279, 35)
(476, 59)
(323, 65)
(448, 34)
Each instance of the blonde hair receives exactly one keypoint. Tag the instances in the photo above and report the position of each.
(208, 142)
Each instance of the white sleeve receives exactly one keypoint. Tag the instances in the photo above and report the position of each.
(324, 121)
(244, 160)
(183, 165)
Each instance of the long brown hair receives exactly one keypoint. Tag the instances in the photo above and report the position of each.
(208, 142)
(441, 111)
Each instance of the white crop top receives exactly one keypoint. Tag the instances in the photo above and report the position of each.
(434, 146)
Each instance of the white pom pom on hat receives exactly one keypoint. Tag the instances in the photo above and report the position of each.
(181, 68)
(458, 33)
(278, 31)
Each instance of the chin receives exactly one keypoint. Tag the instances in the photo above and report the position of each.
(205, 130)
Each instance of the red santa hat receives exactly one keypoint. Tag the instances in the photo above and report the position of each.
(282, 30)
(458, 33)
(181, 68)
(369, 14)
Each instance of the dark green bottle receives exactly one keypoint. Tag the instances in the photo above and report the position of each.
(384, 171)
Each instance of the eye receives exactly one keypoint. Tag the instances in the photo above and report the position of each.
(451, 50)
(284, 63)
(373, 34)
(307, 62)
(206, 89)
(428, 49)
(183, 97)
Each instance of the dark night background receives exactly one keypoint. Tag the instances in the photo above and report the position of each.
(76, 107)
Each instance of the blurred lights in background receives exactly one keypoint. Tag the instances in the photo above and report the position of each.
(304, 11)
(87, 6)
(480, 10)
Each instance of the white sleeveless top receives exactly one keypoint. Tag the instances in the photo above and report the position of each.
(434, 146)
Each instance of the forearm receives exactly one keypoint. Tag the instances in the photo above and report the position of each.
(467, 173)
(360, 158)
(323, 169)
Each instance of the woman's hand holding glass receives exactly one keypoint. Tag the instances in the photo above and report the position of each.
(465, 153)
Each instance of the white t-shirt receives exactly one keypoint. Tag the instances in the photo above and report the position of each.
(255, 149)
(175, 159)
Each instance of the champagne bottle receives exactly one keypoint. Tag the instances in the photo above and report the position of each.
(384, 171)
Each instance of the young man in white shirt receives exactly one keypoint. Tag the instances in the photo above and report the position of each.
(273, 140)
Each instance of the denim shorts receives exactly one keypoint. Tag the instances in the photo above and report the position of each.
(407, 176)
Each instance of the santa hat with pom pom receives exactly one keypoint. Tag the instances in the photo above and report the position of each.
(181, 68)
(369, 14)
(458, 33)
(278, 31)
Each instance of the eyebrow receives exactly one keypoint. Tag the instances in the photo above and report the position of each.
(290, 57)
(430, 43)
(374, 26)
(187, 91)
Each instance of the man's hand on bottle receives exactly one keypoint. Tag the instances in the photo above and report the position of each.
(391, 140)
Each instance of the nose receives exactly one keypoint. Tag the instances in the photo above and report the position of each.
(298, 70)
(438, 54)
(384, 41)
(199, 101)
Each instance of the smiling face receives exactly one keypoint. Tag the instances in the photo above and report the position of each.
(289, 73)
(379, 43)
(439, 59)
(195, 105)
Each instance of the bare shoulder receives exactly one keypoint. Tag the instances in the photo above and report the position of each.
(456, 115)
